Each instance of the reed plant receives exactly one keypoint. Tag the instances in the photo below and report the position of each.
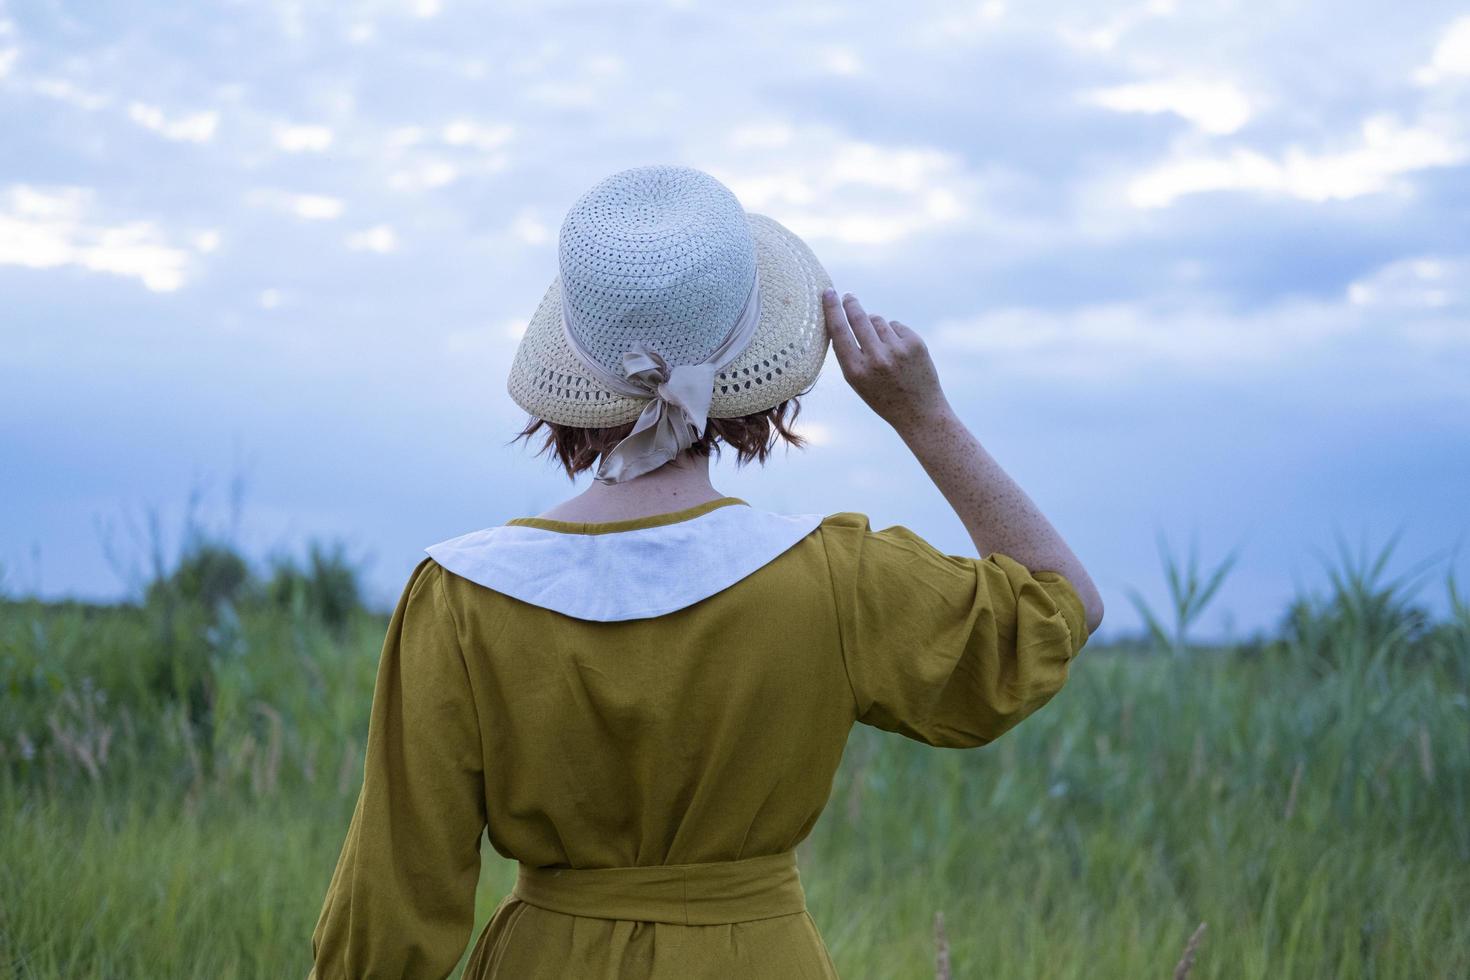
(177, 772)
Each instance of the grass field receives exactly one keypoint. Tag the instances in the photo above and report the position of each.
(176, 777)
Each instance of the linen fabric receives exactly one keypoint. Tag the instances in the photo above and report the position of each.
(709, 734)
(628, 574)
(704, 894)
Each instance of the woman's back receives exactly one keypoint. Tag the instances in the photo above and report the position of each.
(709, 733)
(644, 702)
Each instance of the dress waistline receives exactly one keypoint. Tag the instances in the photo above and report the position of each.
(712, 893)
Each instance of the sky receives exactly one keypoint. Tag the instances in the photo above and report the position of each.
(1191, 271)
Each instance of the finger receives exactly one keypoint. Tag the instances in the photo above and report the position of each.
(903, 331)
(862, 328)
(843, 341)
(882, 328)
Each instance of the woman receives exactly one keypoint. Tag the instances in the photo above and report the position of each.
(643, 694)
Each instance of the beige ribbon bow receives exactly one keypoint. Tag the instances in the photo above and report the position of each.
(670, 423)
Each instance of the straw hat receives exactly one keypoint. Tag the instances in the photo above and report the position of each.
(665, 281)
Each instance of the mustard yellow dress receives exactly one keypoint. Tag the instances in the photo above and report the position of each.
(653, 775)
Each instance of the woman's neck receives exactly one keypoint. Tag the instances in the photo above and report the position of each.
(681, 483)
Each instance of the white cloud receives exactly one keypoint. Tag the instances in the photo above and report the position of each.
(9, 53)
(303, 139)
(316, 207)
(1451, 55)
(823, 185)
(838, 60)
(379, 238)
(198, 127)
(529, 228)
(417, 162)
(466, 132)
(270, 299)
(51, 228)
(1118, 339)
(1427, 283)
(424, 175)
(1424, 299)
(312, 207)
(1387, 150)
(1215, 107)
(972, 21)
(207, 241)
(1105, 36)
(815, 433)
(69, 92)
(426, 8)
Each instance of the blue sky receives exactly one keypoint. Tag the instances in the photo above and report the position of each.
(1198, 269)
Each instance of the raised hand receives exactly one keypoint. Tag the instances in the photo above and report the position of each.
(885, 361)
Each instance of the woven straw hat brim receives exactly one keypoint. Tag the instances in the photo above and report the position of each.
(784, 357)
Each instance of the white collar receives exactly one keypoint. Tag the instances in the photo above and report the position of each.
(630, 574)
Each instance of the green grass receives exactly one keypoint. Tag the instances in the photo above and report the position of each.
(176, 778)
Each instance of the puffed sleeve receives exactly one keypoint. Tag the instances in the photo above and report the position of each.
(401, 902)
(948, 650)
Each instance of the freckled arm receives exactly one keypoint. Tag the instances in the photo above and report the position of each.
(994, 509)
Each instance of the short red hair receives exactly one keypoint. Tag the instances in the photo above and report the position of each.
(751, 436)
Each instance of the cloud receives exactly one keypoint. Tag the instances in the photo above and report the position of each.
(529, 228)
(51, 228)
(467, 132)
(198, 127)
(302, 139)
(424, 175)
(316, 207)
(1434, 284)
(1117, 339)
(420, 159)
(1215, 107)
(1451, 55)
(1387, 150)
(1425, 299)
(1105, 36)
(969, 22)
(312, 207)
(63, 90)
(840, 60)
(380, 239)
(825, 185)
(9, 53)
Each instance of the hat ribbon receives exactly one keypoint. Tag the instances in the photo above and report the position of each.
(678, 396)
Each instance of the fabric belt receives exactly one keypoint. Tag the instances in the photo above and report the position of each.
(713, 893)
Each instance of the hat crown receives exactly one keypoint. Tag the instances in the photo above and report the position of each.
(660, 257)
